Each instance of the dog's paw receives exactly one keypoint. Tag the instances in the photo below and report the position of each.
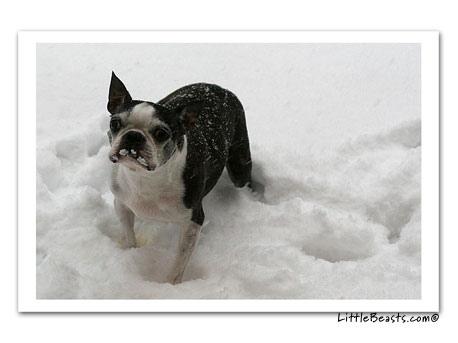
(255, 190)
(128, 243)
(174, 278)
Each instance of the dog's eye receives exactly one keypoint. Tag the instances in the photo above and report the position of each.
(161, 135)
(115, 125)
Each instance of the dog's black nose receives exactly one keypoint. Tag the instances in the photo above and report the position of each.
(133, 139)
(133, 136)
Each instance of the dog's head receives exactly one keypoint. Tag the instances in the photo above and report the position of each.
(144, 135)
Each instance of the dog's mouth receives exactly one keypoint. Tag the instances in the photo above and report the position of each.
(132, 158)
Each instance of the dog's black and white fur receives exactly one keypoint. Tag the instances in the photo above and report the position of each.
(168, 155)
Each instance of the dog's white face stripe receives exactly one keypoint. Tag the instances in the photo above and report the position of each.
(141, 115)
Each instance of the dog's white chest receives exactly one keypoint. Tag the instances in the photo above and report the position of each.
(158, 204)
(154, 195)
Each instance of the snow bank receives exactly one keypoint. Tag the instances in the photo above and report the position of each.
(335, 134)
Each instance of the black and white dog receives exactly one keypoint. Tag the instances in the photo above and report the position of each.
(168, 155)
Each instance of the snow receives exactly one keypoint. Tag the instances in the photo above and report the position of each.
(335, 137)
(142, 161)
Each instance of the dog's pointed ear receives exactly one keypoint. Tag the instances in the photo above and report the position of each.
(118, 94)
(189, 113)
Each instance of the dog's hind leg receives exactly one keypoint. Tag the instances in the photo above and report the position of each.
(239, 163)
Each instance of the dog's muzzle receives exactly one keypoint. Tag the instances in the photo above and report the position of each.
(132, 147)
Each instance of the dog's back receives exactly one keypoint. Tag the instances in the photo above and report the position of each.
(219, 138)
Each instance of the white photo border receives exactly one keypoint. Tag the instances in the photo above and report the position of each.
(429, 302)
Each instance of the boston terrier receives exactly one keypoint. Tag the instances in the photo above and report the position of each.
(168, 155)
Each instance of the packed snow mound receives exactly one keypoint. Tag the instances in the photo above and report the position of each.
(340, 217)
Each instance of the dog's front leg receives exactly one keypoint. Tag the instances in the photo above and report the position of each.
(127, 219)
(188, 240)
